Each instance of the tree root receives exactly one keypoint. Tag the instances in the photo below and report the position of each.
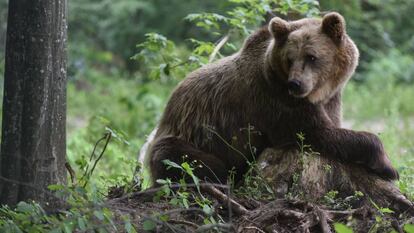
(311, 193)
(316, 176)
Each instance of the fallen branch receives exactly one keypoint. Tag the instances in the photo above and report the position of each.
(255, 229)
(224, 199)
(323, 220)
(208, 227)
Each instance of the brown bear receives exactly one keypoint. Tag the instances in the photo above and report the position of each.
(287, 79)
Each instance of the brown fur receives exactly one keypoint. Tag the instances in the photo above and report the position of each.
(227, 112)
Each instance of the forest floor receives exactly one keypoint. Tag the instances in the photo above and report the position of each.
(225, 212)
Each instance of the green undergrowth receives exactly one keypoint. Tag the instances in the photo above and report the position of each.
(386, 109)
(126, 107)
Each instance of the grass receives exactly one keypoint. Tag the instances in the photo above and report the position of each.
(387, 110)
(127, 107)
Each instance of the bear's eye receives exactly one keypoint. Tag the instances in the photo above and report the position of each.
(310, 58)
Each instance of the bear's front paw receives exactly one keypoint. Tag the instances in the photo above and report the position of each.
(381, 165)
(387, 173)
(375, 158)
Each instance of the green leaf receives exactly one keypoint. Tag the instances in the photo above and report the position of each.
(149, 225)
(9, 226)
(187, 168)
(55, 230)
(166, 69)
(82, 223)
(341, 228)
(172, 164)
(129, 228)
(99, 215)
(67, 227)
(386, 211)
(208, 210)
(174, 201)
(409, 228)
(161, 181)
(25, 207)
(55, 187)
(164, 218)
(186, 204)
(374, 204)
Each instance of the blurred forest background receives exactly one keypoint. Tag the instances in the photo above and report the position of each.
(114, 85)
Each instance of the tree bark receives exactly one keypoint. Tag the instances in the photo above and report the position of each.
(291, 172)
(306, 179)
(33, 148)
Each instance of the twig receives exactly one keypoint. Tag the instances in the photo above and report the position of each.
(291, 214)
(109, 135)
(211, 226)
(71, 173)
(396, 226)
(108, 138)
(222, 42)
(335, 214)
(183, 222)
(92, 155)
(228, 189)
(151, 191)
(223, 198)
(170, 212)
(323, 222)
(254, 228)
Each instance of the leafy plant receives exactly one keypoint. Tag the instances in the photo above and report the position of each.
(164, 59)
(183, 196)
(409, 228)
(83, 214)
(341, 228)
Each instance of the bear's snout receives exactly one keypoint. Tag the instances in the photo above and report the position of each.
(295, 87)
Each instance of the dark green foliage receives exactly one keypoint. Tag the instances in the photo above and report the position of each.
(116, 26)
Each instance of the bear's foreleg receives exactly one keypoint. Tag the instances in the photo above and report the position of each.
(352, 146)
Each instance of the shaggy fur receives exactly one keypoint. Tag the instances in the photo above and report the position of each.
(227, 112)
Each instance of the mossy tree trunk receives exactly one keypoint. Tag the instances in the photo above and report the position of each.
(313, 179)
(314, 176)
(33, 148)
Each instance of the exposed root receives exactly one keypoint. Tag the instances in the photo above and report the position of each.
(224, 199)
(304, 210)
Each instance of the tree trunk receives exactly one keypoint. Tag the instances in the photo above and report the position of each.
(33, 145)
(314, 176)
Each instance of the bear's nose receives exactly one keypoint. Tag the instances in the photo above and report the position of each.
(294, 86)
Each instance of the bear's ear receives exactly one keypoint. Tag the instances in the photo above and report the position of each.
(279, 29)
(333, 25)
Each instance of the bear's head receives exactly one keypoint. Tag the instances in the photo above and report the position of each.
(314, 57)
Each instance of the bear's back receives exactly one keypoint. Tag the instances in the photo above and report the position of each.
(208, 97)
